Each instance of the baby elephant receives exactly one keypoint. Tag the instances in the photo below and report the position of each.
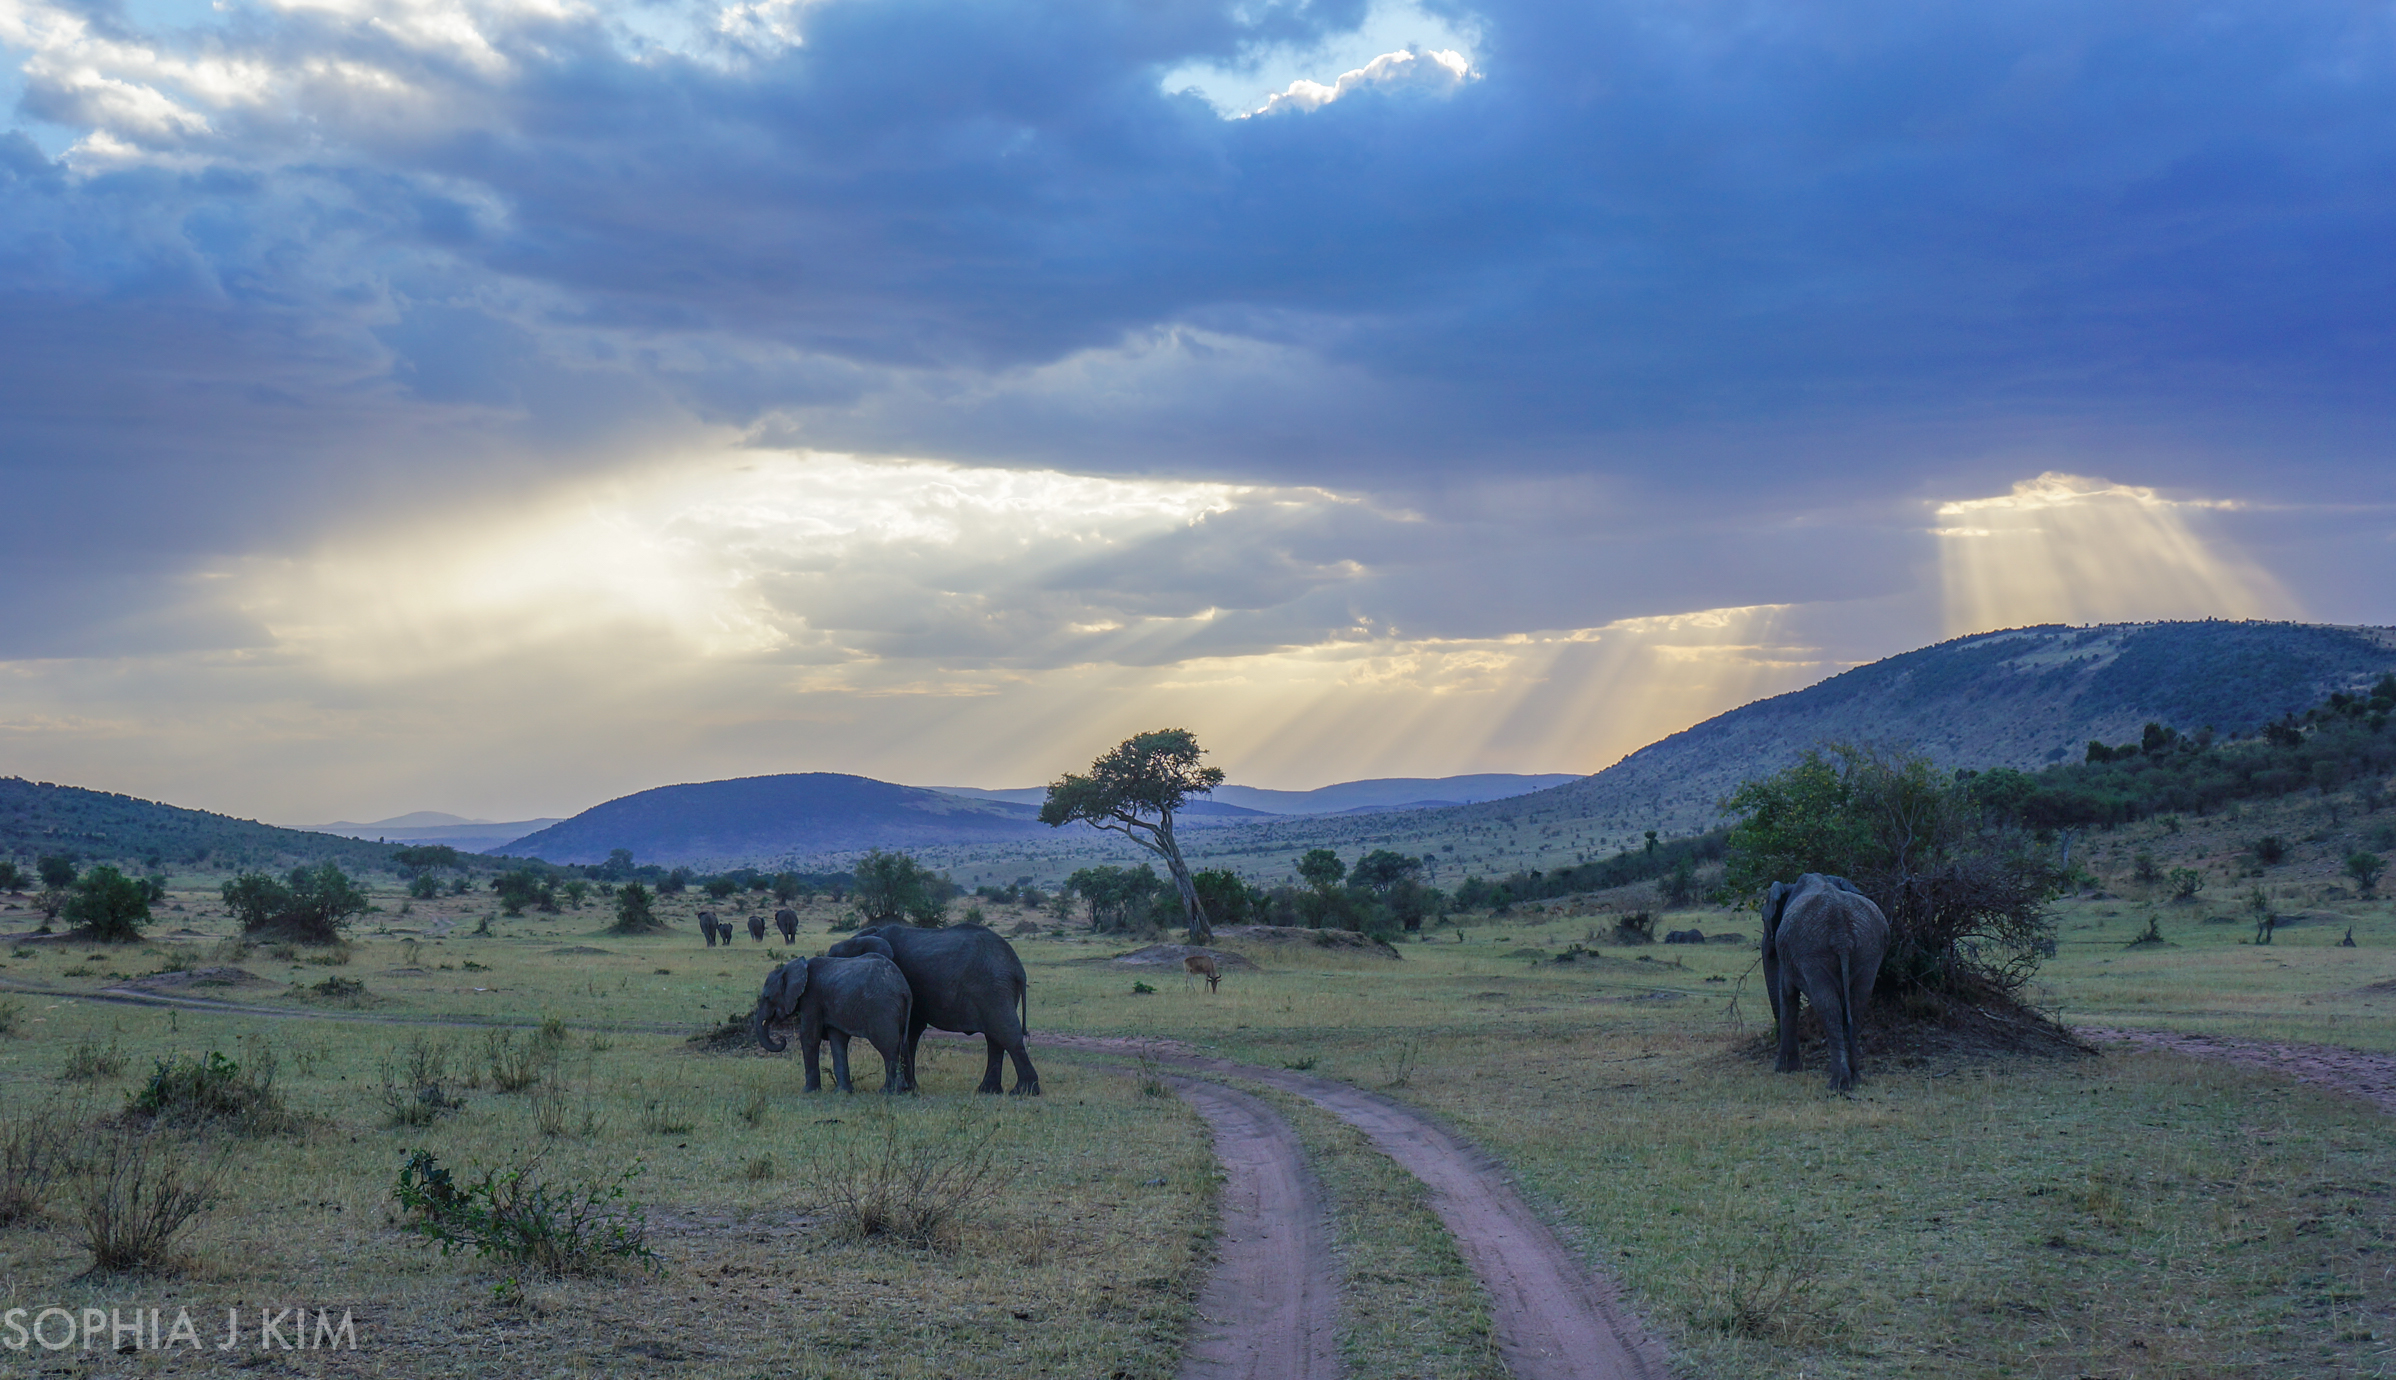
(1825, 939)
(787, 921)
(866, 996)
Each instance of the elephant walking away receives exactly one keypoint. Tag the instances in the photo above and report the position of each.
(707, 926)
(787, 921)
(757, 928)
(1822, 939)
(836, 998)
(966, 979)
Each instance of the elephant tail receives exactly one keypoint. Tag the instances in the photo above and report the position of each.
(1846, 997)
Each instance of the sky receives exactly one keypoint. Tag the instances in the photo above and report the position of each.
(498, 406)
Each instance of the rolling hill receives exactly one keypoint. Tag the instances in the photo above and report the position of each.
(38, 818)
(432, 826)
(792, 819)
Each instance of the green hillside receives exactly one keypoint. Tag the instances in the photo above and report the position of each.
(38, 819)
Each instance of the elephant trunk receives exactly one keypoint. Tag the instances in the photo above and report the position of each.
(762, 1022)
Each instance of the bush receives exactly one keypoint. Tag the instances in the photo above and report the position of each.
(57, 871)
(16, 878)
(89, 1062)
(2186, 882)
(916, 1189)
(412, 1091)
(523, 886)
(133, 1193)
(1965, 896)
(1637, 927)
(11, 1013)
(308, 907)
(37, 1149)
(2271, 850)
(894, 886)
(571, 1229)
(516, 1066)
(2365, 869)
(215, 1089)
(108, 906)
(635, 913)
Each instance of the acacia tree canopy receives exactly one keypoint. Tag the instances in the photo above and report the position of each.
(1133, 790)
(1965, 897)
(108, 906)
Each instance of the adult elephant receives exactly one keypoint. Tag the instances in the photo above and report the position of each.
(787, 921)
(707, 926)
(1824, 939)
(757, 928)
(864, 996)
(966, 979)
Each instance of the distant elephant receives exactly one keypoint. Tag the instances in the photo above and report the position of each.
(707, 926)
(1824, 938)
(966, 979)
(865, 996)
(1685, 937)
(757, 928)
(787, 921)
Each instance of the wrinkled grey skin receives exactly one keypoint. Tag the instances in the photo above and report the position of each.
(707, 926)
(787, 921)
(966, 979)
(1825, 939)
(757, 928)
(837, 998)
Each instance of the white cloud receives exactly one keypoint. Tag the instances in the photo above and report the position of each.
(1438, 71)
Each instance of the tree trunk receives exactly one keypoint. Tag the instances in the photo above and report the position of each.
(1200, 931)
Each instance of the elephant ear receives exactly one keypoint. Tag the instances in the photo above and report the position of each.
(1775, 901)
(786, 986)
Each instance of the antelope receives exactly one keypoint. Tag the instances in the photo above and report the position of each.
(1198, 966)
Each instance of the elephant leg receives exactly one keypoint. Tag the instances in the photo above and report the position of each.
(991, 1066)
(840, 1062)
(893, 1049)
(1859, 995)
(811, 1043)
(1027, 1078)
(1784, 1013)
(915, 1029)
(1825, 987)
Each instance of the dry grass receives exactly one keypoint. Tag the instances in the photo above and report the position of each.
(911, 1179)
(134, 1192)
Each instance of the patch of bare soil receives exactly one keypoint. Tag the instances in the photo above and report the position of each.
(2371, 1077)
(1343, 941)
(1270, 1311)
(1171, 955)
(1929, 1031)
(1550, 1317)
(194, 977)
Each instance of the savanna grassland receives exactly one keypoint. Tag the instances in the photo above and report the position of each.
(2133, 1214)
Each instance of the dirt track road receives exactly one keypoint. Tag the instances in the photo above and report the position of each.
(1271, 1309)
(2371, 1077)
(1551, 1319)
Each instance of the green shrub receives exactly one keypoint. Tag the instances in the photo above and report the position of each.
(914, 1188)
(108, 906)
(215, 1089)
(90, 1061)
(508, 1214)
(308, 907)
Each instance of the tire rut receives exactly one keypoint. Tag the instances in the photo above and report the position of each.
(2354, 1072)
(1551, 1319)
(1270, 1310)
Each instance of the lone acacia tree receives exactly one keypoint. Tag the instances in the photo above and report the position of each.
(1133, 791)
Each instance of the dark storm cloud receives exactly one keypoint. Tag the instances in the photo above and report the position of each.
(1723, 253)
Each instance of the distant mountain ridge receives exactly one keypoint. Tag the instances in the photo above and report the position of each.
(433, 826)
(792, 818)
(2022, 697)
